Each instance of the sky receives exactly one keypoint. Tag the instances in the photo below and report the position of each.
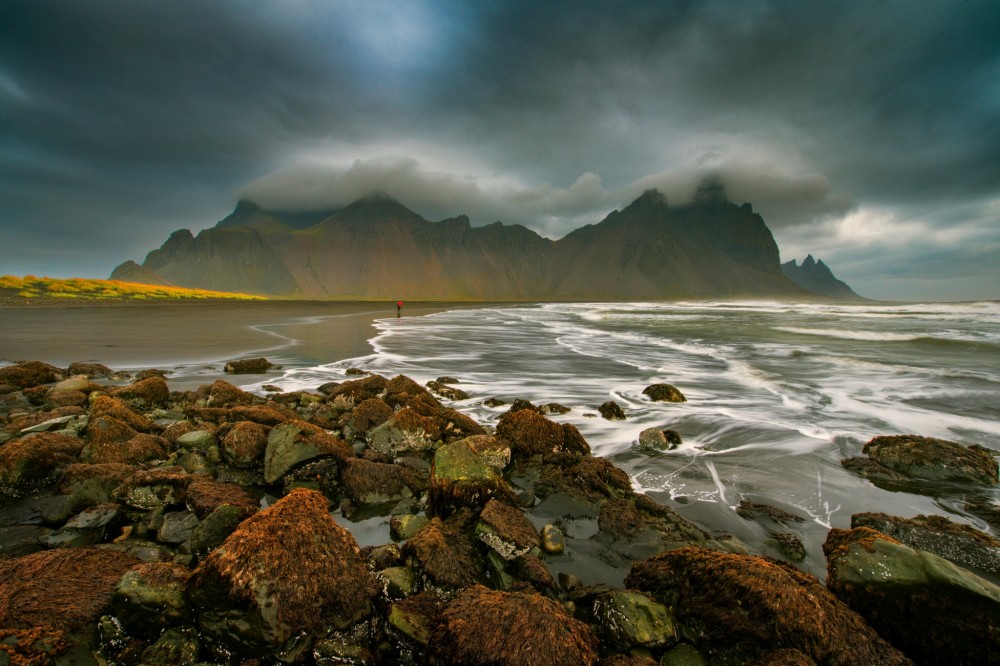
(866, 133)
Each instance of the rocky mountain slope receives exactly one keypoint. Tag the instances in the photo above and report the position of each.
(376, 248)
(816, 277)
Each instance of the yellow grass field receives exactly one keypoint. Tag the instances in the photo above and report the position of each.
(31, 288)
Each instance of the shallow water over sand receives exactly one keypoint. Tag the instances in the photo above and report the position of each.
(777, 393)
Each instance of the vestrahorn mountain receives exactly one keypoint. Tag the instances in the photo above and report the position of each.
(376, 248)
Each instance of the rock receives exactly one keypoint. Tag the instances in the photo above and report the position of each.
(748, 510)
(682, 655)
(203, 496)
(215, 528)
(740, 607)
(444, 556)
(270, 414)
(26, 375)
(986, 510)
(415, 618)
(455, 425)
(138, 449)
(494, 402)
(59, 589)
(106, 430)
(396, 582)
(293, 443)
(784, 657)
(287, 570)
(933, 459)
(244, 444)
(154, 489)
(32, 461)
(223, 394)
(357, 390)
(552, 542)
(145, 393)
(493, 450)
(406, 526)
(105, 405)
(637, 527)
(961, 544)
(789, 545)
(931, 609)
(76, 384)
(150, 595)
(629, 620)
(248, 366)
(460, 477)
(663, 393)
(404, 432)
(532, 434)
(553, 408)
(447, 392)
(177, 645)
(367, 415)
(90, 484)
(197, 440)
(612, 411)
(401, 391)
(367, 482)
(659, 440)
(178, 527)
(65, 398)
(18, 540)
(482, 626)
(506, 530)
(878, 474)
(90, 370)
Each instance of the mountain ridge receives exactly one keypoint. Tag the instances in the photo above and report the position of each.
(377, 248)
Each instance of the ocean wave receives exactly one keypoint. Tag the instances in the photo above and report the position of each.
(843, 334)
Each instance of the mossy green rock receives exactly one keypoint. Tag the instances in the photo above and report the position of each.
(174, 648)
(293, 443)
(461, 477)
(931, 609)
(215, 528)
(150, 595)
(404, 527)
(682, 655)
(631, 619)
(197, 440)
(396, 582)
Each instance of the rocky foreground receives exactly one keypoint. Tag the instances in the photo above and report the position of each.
(144, 526)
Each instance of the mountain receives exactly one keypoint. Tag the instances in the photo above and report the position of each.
(817, 277)
(376, 248)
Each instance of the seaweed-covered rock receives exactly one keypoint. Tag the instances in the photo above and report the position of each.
(367, 482)
(150, 595)
(953, 541)
(482, 626)
(629, 619)
(90, 484)
(107, 430)
(663, 393)
(61, 589)
(494, 450)
(454, 425)
(748, 510)
(105, 405)
(155, 488)
(32, 461)
(248, 366)
(401, 391)
(612, 411)
(357, 390)
(286, 570)
(460, 477)
(244, 443)
(270, 414)
(177, 645)
(90, 370)
(931, 459)
(444, 555)
(531, 434)
(203, 496)
(638, 527)
(415, 618)
(447, 392)
(293, 443)
(223, 394)
(366, 415)
(405, 431)
(934, 611)
(145, 393)
(656, 439)
(140, 448)
(739, 607)
(25, 375)
(506, 530)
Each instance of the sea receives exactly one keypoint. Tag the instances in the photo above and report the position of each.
(778, 393)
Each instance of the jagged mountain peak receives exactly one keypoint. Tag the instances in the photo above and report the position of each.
(817, 277)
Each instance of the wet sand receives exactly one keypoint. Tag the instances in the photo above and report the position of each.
(179, 336)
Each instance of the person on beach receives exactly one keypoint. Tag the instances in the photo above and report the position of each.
(399, 308)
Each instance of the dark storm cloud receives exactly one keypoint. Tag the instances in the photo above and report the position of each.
(853, 127)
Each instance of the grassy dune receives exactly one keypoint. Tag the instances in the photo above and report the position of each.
(35, 289)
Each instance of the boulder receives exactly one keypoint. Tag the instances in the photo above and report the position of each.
(295, 442)
(931, 459)
(405, 431)
(401, 391)
(155, 488)
(138, 449)
(26, 375)
(961, 544)
(289, 569)
(107, 430)
(367, 482)
(460, 477)
(215, 528)
(150, 595)
(759, 511)
(248, 366)
(444, 555)
(740, 607)
(357, 390)
(934, 611)
(531, 434)
(197, 440)
(406, 526)
(629, 619)
(105, 405)
(203, 496)
(612, 411)
(223, 394)
(91, 484)
(656, 439)
(415, 618)
(663, 393)
(482, 626)
(447, 392)
(90, 370)
(177, 527)
(495, 451)
(145, 393)
(270, 414)
(366, 415)
(33, 460)
(244, 444)
(506, 530)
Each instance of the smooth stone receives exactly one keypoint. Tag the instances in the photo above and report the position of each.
(553, 542)
(178, 527)
(196, 439)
